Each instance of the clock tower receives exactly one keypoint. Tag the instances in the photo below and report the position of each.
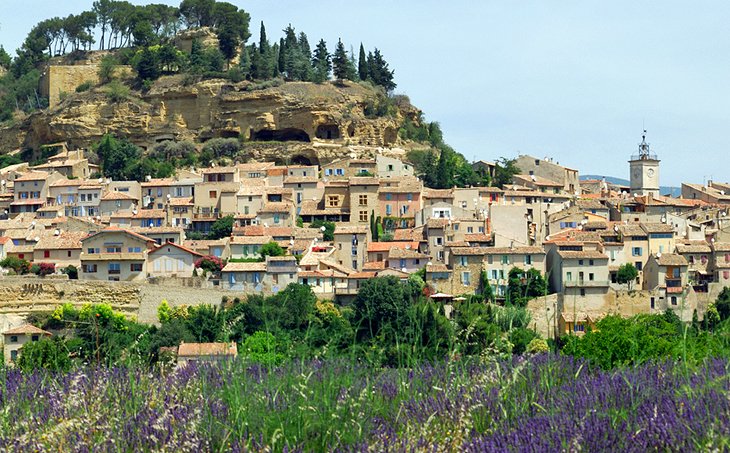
(644, 171)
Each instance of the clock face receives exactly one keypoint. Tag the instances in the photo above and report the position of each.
(650, 172)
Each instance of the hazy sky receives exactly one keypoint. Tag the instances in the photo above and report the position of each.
(575, 80)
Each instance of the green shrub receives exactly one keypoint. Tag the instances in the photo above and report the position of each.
(86, 86)
(116, 91)
(537, 346)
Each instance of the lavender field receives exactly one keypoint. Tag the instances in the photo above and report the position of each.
(539, 403)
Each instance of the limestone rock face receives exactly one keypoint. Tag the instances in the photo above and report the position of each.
(295, 118)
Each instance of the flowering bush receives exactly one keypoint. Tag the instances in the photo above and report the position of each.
(43, 269)
(210, 263)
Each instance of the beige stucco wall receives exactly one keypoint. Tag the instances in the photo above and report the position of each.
(65, 78)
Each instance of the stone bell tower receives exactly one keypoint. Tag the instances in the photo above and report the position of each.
(644, 171)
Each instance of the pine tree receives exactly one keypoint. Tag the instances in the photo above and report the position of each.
(379, 72)
(321, 62)
(444, 169)
(341, 64)
(264, 68)
(362, 64)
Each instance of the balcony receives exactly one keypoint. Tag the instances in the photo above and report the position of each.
(586, 283)
(674, 285)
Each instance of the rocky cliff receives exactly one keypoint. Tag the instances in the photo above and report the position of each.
(318, 121)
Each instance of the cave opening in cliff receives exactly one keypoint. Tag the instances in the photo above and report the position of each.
(301, 160)
(230, 134)
(280, 135)
(328, 132)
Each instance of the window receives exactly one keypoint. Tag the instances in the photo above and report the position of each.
(505, 259)
(388, 209)
(469, 229)
(466, 278)
(464, 260)
(591, 277)
(137, 267)
(277, 218)
(639, 265)
(13, 338)
(363, 216)
(89, 268)
(439, 241)
(579, 327)
(328, 172)
(409, 197)
(339, 171)
(528, 259)
(674, 300)
(68, 253)
(114, 268)
(726, 275)
(13, 355)
(402, 263)
(363, 200)
(456, 227)
(46, 253)
(388, 196)
(580, 262)
(582, 292)
(333, 201)
(590, 262)
(636, 251)
(390, 167)
(212, 194)
(569, 277)
(114, 249)
(652, 302)
(481, 229)
(134, 249)
(354, 251)
(494, 274)
(34, 338)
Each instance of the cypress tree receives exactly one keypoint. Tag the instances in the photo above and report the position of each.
(282, 56)
(362, 64)
(245, 62)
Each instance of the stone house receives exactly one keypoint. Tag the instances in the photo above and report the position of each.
(547, 169)
(282, 270)
(363, 192)
(351, 244)
(348, 167)
(247, 277)
(467, 264)
(720, 265)
(14, 339)
(390, 167)
(438, 276)
(577, 272)
(113, 201)
(63, 249)
(279, 214)
(666, 273)
(303, 188)
(162, 235)
(699, 261)
(400, 199)
(115, 254)
(171, 260)
(32, 189)
(498, 261)
(380, 251)
(248, 247)
(219, 248)
(636, 247)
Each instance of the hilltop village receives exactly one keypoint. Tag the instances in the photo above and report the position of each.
(256, 227)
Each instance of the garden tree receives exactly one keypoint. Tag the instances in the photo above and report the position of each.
(47, 353)
(163, 19)
(265, 65)
(295, 305)
(170, 333)
(520, 338)
(373, 227)
(627, 274)
(341, 64)
(227, 43)
(205, 323)
(329, 229)
(424, 163)
(524, 285)
(380, 303)
(722, 304)
(210, 263)
(271, 249)
(362, 64)
(504, 170)
(18, 265)
(485, 289)
(197, 13)
(142, 31)
(72, 272)
(221, 228)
